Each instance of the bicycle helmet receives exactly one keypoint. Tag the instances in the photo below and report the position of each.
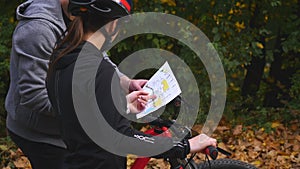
(106, 8)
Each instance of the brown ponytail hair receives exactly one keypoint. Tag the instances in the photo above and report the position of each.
(74, 37)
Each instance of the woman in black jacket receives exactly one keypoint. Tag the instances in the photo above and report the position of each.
(83, 42)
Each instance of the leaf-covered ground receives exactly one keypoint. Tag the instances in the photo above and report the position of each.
(277, 147)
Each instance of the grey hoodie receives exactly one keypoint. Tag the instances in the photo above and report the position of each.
(29, 110)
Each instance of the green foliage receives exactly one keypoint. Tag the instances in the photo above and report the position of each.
(295, 90)
(7, 25)
(240, 30)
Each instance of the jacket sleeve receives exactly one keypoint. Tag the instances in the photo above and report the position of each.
(33, 42)
(113, 111)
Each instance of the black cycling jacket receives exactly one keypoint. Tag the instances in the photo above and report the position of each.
(85, 154)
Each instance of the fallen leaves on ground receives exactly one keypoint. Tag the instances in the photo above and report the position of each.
(278, 148)
(16, 160)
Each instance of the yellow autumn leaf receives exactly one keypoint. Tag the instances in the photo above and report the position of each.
(11, 20)
(170, 46)
(169, 2)
(243, 6)
(266, 69)
(131, 159)
(240, 26)
(236, 89)
(257, 163)
(3, 148)
(260, 45)
(212, 3)
(275, 124)
(266, 18)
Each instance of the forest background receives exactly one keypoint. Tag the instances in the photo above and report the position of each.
(258, 42)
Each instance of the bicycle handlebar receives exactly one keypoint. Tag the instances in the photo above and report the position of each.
(213, 152)
(210, 150)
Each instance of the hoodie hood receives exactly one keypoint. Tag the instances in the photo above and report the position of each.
(42, 9)
(87, 48)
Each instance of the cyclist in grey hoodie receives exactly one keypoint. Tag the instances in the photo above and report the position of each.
(31, 122)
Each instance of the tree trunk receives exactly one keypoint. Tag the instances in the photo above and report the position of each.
(256, 68)
(280, 77)
(253, 77)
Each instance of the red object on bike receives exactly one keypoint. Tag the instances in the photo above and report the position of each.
(212, 152)
(141, 162)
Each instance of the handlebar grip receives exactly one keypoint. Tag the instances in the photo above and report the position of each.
(212, 152)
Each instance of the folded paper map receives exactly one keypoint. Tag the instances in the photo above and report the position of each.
(164, 85)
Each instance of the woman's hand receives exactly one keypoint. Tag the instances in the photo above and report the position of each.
(130, 85)
(137, 101)
(200, 142)
(136, 84)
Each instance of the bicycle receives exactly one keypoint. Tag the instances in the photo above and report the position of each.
(163, 127)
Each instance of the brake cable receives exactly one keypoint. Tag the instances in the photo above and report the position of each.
(207, 159)
(189, 160)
